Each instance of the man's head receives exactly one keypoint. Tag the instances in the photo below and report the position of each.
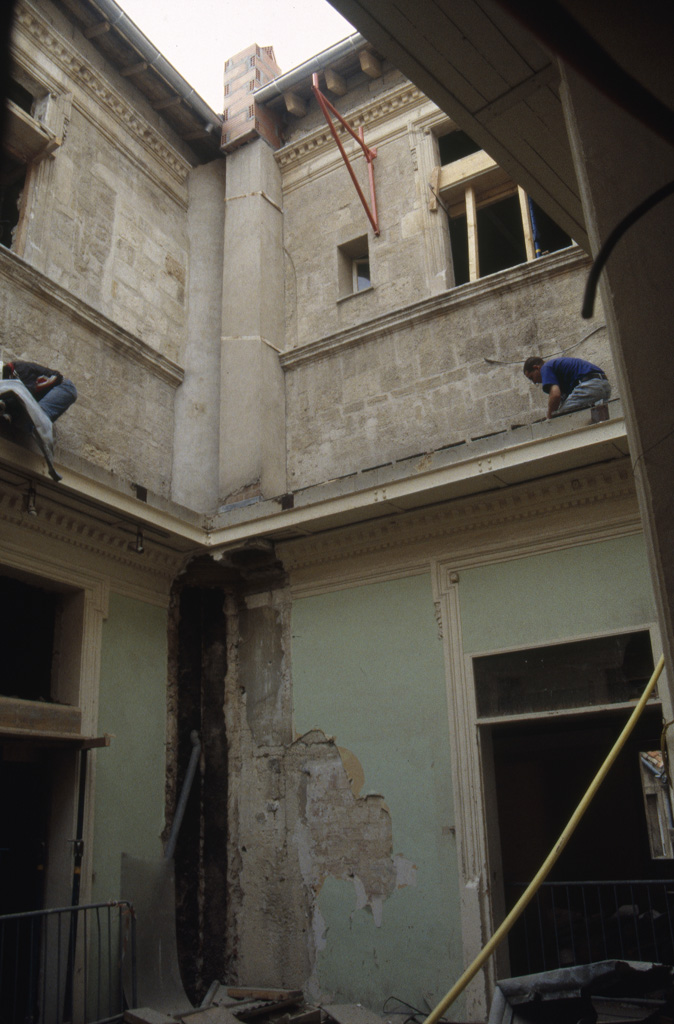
(532, 369)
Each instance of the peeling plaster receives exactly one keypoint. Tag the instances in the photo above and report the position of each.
(342, 835)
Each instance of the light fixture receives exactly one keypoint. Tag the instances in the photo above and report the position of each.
(31, 495)
(138, 546)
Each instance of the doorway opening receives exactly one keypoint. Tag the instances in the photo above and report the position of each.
(199, 641)
(549, 718)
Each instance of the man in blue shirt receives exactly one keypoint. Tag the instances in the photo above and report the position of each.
(569, 383)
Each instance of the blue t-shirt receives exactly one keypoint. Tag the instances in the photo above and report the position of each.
(564, 372)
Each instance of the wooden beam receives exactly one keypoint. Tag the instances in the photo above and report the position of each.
(134, 69)
(471, 227)
(434, 188)
(335, 82)
(526, 224)
(370, 64)
(97, 30)
(295, 105)
(172, 101)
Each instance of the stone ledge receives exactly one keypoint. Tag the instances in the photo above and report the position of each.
(512, 456)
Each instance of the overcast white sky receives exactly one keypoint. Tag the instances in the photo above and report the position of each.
(197, 36)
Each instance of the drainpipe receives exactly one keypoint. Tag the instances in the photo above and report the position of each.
(151, 55)
(352, 44)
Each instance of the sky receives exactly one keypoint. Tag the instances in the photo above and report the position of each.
(198, 36)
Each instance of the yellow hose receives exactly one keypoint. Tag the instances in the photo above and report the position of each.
(552, 857)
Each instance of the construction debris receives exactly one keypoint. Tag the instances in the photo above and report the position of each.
(608, 992)
(229, 1005)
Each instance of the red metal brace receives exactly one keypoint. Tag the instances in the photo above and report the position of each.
(327, 108)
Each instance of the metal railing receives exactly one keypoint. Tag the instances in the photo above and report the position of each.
(570, 923)
(65, 964)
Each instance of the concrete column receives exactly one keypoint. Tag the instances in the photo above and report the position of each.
(252, 424)
(619, 163)
(197, 406)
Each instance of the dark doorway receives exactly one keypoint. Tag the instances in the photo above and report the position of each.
(542, 770)
(201, 852)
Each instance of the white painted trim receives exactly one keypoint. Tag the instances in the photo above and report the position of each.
(476, 915)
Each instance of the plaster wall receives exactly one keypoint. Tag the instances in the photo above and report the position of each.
(130, 773)
(368, 672)
(596, 588)
(419, 378)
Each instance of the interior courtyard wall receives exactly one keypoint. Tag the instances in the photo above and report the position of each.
(437, 372)
(318, 191)
(382, 695)
(122, 421)
(108, 214)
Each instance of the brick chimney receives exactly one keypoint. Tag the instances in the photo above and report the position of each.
(244, 119)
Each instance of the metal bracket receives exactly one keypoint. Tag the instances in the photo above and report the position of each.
(370, 154)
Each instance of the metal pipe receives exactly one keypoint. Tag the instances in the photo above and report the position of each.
(352, 44)
(184, 795)
(552, 857)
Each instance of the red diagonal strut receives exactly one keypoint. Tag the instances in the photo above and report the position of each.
(327, 108)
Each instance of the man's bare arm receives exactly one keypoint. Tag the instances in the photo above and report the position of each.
(554, 400)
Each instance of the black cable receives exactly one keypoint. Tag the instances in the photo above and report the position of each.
(613, 239)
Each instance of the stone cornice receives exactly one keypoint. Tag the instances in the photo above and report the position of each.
(319, 144)
(81, 72)
(411, 315)
(579, 506)
(21, 275)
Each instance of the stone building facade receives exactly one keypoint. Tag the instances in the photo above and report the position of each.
(307, 495)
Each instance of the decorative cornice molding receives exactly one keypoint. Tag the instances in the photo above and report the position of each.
(150, 574)
(411, 315)
(594, 503)
(320, 143)
(92, 82)
(21, 275)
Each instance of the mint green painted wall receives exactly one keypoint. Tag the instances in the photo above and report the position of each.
(595, 588)
(368, 670)
(130, 773)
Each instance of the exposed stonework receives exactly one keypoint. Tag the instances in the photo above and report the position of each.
(296, 819)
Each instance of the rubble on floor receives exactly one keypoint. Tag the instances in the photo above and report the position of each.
(227, 1004)
(608, 992)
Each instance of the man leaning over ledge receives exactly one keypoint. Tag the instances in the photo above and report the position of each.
(570, 384)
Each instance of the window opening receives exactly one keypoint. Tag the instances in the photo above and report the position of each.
(21, 96)
(28, 616)
(353, 267)
(580, 674)
(456, 145)
(493, 224)
(361, 274)
(548, 236)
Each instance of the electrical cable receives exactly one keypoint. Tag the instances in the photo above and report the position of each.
(518, 362)
(609, 245)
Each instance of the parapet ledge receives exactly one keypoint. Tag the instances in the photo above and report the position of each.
(515, 455)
